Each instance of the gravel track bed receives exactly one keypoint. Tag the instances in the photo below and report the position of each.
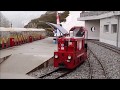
(109, 59)
(97, 70)
(81, 72)
(42, 71)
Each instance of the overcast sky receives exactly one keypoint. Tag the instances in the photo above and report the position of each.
(21, 18)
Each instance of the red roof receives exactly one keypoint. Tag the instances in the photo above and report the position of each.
(73, 28)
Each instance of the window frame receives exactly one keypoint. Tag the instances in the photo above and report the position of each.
(112, 29)
(105, 30)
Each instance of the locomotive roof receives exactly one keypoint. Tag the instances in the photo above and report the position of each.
(20, 29)
(76, 27)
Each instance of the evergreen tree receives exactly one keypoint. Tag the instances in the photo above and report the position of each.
(49, 16)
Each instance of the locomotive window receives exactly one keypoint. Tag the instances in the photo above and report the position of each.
(76, 31)
(79, 34)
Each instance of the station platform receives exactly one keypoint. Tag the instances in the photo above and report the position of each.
(26, 57)
(14, 76)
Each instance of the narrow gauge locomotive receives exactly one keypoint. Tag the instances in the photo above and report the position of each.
(72, 50)
(16, 36)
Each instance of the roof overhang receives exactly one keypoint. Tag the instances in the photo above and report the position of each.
(97, 17)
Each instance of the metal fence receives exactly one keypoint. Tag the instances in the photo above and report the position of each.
(93, 13)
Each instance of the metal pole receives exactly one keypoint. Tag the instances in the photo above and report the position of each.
(118, 31)
(11, 25)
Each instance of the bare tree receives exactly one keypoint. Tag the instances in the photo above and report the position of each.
(3, 21)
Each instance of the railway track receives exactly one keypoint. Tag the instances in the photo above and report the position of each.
(56, 74)
(90, 66)
(110, 47)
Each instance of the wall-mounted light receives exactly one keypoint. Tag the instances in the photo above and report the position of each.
(93, 29)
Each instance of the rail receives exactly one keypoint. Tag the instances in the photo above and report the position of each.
(96, 58)
(108, 46)
(59, 71)
(90, 67)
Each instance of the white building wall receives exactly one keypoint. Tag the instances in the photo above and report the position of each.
(108, 37)
(96, 33)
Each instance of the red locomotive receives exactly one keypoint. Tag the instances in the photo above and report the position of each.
(72, 50)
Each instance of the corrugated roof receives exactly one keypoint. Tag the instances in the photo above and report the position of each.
(61, 29)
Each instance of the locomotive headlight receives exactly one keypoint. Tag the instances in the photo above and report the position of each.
(69, 57)
(68, 60)
(56, 56)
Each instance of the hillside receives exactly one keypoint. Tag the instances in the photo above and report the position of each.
(49, 16)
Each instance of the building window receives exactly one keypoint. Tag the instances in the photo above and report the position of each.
(114, 28)
(106, 28)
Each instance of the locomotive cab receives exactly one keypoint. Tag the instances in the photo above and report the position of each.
(76, 32)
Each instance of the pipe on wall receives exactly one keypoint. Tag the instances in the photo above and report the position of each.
(118, 31)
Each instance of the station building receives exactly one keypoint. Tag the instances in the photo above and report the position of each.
(102, 25)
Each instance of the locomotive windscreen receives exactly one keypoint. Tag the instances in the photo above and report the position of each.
(77, 32)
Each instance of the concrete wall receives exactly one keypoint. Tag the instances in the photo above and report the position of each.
(108, 37)
(96, 33)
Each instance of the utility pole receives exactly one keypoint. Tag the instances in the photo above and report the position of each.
(118, 31)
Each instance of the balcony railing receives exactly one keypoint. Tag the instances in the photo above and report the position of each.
(93, 13)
